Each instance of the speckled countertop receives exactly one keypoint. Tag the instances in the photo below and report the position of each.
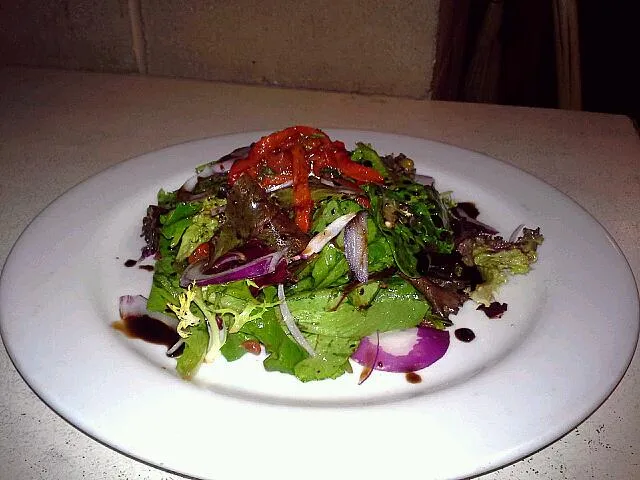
(58, 128)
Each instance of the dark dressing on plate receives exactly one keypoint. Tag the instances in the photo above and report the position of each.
(149, 329)
(464, 334)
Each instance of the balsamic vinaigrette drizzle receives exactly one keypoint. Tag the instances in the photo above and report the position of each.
(149, 329)
(413, 377)
(464, 334)
(469, 208)
(132, 263)
(144, 327)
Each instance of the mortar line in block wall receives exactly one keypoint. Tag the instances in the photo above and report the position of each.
(137, 36)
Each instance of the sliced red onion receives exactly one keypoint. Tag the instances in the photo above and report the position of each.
(275, 188)
(516, 233)
(329, 183)
(355, 246)
(207, 171)
(342, 187)
(256, 268)
(185, 196)
(318, 242)
(425, 180)
(290, 322)
(223, 165)
(227, 258)
(404, 350)
(372, 359)
(190, 184)
(217, 337)
(462, 214)
(334, 187)
(340, 182)
(229, 159)
(279, 275)
(136, 306)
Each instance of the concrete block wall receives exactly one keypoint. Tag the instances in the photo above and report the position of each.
(363, 46)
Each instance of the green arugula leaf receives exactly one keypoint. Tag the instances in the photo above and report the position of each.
(413, 218)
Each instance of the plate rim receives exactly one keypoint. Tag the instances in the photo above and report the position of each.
(498, 461)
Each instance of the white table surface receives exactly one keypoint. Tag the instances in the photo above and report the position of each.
(58, 128)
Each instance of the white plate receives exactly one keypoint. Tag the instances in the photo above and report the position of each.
(528, 378)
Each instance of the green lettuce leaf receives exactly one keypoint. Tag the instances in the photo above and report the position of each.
(283, 354)
(165, 286)
(330, 268)
(201, 228)
(195, 348)
(331, 359)
(497, 259)
(396, 306)
(232, 349)
(177, 221)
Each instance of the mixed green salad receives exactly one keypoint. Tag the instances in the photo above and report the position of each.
(308, 253)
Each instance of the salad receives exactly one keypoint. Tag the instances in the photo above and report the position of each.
(317, 256)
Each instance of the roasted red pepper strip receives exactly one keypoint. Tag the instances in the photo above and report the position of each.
(293, 154)
(279, 139)
(302, 202)
(356, 170)
(266, 156)
(201, 252)
(238, 168)
(363, 201)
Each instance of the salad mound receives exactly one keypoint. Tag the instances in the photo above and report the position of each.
(316, 255)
